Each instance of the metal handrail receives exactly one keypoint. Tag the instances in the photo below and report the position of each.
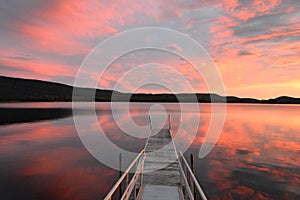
(195, 181)
(126, 174)
(134, 180)
(183, 176)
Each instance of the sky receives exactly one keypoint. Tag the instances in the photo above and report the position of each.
(255, 44)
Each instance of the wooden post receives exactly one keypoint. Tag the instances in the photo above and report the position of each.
(150, 123)
(135, 185)
(169, 119)
(142, 173)
(193, 170)
(120, 173)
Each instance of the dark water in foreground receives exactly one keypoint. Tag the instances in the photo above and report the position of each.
(42, 157)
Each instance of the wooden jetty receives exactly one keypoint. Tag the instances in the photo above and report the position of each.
(160, 172)
(161, 168)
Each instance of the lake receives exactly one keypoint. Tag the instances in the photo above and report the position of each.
(42, 156)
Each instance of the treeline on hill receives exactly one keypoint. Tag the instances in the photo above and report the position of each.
(25, 90)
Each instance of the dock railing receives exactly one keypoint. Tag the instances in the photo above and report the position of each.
(132, 178)
(192, 188)
(132, 184)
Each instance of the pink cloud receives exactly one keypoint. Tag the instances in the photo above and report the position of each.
(32, 67)
(55, 34)
(251, 9)
(51, 40)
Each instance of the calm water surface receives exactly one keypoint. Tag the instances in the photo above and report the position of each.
(42, 157)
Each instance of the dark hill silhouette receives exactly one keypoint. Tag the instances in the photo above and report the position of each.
(27, 90)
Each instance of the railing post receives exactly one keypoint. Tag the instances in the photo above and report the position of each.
(192, 182)
(134, 193)
(127, 180)
(135, 185)
(169, 119)
(150, 123)
(120, 173)
(181, 178)
(142, 175)
(142, 170)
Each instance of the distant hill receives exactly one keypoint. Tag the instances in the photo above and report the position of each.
(17, 89)
(26, 90)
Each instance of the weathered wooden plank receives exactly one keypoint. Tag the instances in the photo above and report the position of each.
(160, 192)
(162, 175)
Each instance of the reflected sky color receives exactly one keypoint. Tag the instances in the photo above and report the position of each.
(255, 157)
(45, 160)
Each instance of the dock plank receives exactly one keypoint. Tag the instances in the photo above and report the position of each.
(161, 167)
(160, 192)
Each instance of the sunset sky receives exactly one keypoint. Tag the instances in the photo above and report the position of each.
(254, 43)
